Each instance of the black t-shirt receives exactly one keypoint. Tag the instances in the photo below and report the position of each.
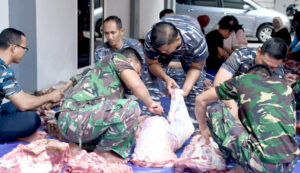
(214, 40)
(283, 34)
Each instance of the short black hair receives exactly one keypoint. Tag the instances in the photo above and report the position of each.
(130, 52)
(226, 19)
(260, 69)
(225, 25)
(163, 33)
(164, 12)
(275, 48)
(115, 19)
(236, 25)
(10, 36)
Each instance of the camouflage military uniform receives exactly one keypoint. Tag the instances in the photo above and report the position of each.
(264, 141)
(96, 112)
(105, 49)
(192, 49)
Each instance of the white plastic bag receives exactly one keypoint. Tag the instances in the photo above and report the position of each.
(181, 126)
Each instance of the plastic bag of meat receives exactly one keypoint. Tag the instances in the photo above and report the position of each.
(158, 138)
(152, 148)
(200, 157)
(181, 126)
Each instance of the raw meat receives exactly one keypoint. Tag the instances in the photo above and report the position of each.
(152, 148)
(157, 138)
(84, 162)
(51, 156)
(200, 157)
(40, 156)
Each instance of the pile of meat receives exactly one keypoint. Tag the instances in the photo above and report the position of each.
(200, 157)
(158, 138)
(53, 156)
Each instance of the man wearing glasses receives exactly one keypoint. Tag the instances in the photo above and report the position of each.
(16, 121)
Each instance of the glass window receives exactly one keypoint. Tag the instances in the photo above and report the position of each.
(210, 3)
(181, 1)
(238, 4)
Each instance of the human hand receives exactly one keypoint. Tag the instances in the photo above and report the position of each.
(171, 84)
(155, 108)
(56, 96)
(291, 78)
(185, 93)
(207, 84)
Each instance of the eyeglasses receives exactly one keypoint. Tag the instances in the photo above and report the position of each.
(25, 48)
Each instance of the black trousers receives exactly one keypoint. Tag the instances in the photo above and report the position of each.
(15, 123)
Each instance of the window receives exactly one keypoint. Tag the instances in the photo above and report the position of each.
(238, 4)
(181, 1)
(209, 3)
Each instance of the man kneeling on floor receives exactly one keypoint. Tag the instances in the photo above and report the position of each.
(262, 139)
(95, 113)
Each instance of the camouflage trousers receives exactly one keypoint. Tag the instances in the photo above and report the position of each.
(233, 141)
(157, 89)
(108, 125)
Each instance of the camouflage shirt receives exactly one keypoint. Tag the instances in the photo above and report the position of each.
(100, 83)
(105, 49)
(193, 47)
(266, 111)
(8, 83)
(241, 60)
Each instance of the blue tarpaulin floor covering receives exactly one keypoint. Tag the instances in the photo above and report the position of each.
(7, 147)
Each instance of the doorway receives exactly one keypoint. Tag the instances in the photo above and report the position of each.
(84, 30)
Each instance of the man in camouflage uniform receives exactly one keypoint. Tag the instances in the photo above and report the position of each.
(263, 138)
(271, 54)
(176, 37)
(96, 112)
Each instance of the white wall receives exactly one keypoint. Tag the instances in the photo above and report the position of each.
(149, 15)
(4, 14)
(281, 5)
(120, 8)
(56, 41)
(22, 17)
(50, 27)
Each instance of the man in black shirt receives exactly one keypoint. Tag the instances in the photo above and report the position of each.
(216, 51)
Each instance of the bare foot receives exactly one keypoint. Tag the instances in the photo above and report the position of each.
(112, 157)
(37, 135)
(74, 148)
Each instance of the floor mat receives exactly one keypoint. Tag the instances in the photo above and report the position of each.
(7, 147)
